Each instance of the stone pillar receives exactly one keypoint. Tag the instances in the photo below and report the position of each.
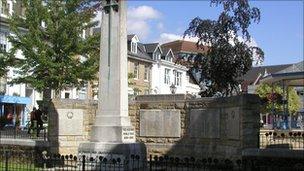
(112, 131)
(112, 115)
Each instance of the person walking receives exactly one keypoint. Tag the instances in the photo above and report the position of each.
(32, 121)
(38, 116)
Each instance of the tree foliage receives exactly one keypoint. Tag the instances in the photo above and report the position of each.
(50, 37)
(266, 92)
(227, 54)
(3, 64)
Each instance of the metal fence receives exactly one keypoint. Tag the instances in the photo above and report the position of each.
(31, 161)
(15, 133)
(279, 139)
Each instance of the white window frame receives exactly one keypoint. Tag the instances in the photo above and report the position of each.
(136, 70)
(167, 76)
(177, 78)
(146, 74)
(168, 58)
(3, 42)
(133, 47)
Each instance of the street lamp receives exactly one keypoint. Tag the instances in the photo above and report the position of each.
(172, 88)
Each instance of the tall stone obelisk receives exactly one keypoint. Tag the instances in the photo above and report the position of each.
(112, 131)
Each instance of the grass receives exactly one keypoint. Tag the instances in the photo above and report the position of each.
(18, 167)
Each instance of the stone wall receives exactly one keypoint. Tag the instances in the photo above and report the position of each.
(168, 124)
(70, 123)
(207, 127)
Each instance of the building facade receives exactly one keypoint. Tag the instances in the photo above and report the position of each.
(139, 67)
(16, 99)
(155, 71)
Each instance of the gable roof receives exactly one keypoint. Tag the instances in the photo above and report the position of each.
(184, 46)
(141, 53)
(166, 51)
(254, 72)
(291, 76)
(297, 67)
(130, 36)
(151, 47)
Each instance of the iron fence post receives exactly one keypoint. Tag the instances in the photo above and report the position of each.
(44, 133)
(15, 133)
(150, 162)
(6, 160)
(83, 163)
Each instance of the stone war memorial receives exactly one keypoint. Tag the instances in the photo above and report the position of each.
(112, 132)
(153, 124)
(175, 125)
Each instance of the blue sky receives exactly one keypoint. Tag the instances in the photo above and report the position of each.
(279, 33)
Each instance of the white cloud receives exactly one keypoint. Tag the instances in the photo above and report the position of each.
(140, 28)
(143, 13)
(138, 18)
(169, 37)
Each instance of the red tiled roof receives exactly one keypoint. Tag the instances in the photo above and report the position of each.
(184, 46)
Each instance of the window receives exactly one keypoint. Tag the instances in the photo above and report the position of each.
(133, 47)
(168, 58)
(3, 42)
(66, 95)
(2, 86)
(177, 78)
(156, 55)
(5, 8)
(146, 76)
(136, 67)
(147, 92)
(82, 93)
(167, 76)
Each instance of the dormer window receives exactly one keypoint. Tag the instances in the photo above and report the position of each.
(3, 42)
(168, 58)
(156, 56)
(133, 47)
(6, 8)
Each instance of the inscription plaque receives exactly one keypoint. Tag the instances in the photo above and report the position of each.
(233, 122)
(204, 123)
(128, 134)
(70, 121)
(160, 123)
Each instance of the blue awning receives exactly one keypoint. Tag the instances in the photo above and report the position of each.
(15, 100)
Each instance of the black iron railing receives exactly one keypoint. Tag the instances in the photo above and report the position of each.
(16, 133)
(279, 139)
(29, 161)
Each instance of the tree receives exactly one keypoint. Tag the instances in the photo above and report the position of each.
(227, 54)
(50, 37)
(3, 64)
(272, 98)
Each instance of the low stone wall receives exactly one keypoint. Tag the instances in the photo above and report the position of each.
(168, 124)
(207, 127)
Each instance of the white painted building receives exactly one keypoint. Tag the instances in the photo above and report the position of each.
(165, 72)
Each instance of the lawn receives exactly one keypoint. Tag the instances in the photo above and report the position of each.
(18, 167)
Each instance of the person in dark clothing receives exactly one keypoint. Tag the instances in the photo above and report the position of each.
(33, 120)
(38, 115)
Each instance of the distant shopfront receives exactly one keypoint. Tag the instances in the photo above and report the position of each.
(12, 111)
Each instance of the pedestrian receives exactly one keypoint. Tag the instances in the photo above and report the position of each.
(38, 116)
(33, 120)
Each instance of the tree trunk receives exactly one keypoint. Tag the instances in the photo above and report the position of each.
(47, 94)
